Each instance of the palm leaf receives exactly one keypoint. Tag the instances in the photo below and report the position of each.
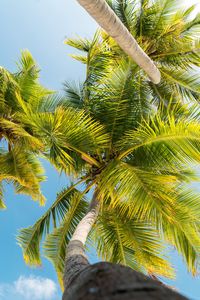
(130, 242)
(55, 245)
(74, 94)
(195, 22)
(68, 130)
(14, 131)
(119, 101)
(30, 238)
(24, 170)
(182, 135)
(27, 78)
(2, 204)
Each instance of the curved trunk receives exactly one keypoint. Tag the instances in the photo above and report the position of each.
(76, 260)
(105, 281)
(110, 22)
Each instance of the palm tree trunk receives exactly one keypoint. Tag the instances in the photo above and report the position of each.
(105, 281)
(76, 259)
(110, 22)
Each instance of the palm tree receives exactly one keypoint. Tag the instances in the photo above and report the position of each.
(21, 92)
(133, 145)
(168, 33)
(141, 195)
(108, 20)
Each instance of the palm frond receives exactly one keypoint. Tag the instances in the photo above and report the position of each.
(30, 238)
(125, 11)
(47, 103)
(172, 207)
(24, 170)
(74, 94)
(8, 87)
(120, 100)
(191, 24)
(27, 78)
(130, 242)
(79, 44)
(145, 194)
(185, 83)
(2, 204)
(187, 244)
(68, 130)
(15, 133)
(182, 135)
(55, 245)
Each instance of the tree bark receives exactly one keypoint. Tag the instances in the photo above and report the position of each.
(105, 281)
(76, 259)
(110, 22)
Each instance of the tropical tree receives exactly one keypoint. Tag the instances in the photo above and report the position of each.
(132, 145)
(111, 23)
(19, 93)
(169, 34)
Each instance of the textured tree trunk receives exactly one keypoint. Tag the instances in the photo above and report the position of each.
(105, 281)
(76, 260)
(110, 22)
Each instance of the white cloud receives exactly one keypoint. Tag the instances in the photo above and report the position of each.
(36, 288)
(30, 288)
(1, 291)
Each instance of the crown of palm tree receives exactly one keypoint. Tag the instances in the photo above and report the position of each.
(134, 142)
(20, 93)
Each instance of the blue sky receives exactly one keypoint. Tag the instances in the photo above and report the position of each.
(41, 26)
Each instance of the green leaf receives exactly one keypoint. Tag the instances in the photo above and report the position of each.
(2, 204)
(30, 238)
(68, 130)
(55, 245)
(182, 135)
(24, 170)
(130, 242)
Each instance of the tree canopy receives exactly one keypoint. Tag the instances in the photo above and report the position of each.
(137, 142)
(21, 93)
